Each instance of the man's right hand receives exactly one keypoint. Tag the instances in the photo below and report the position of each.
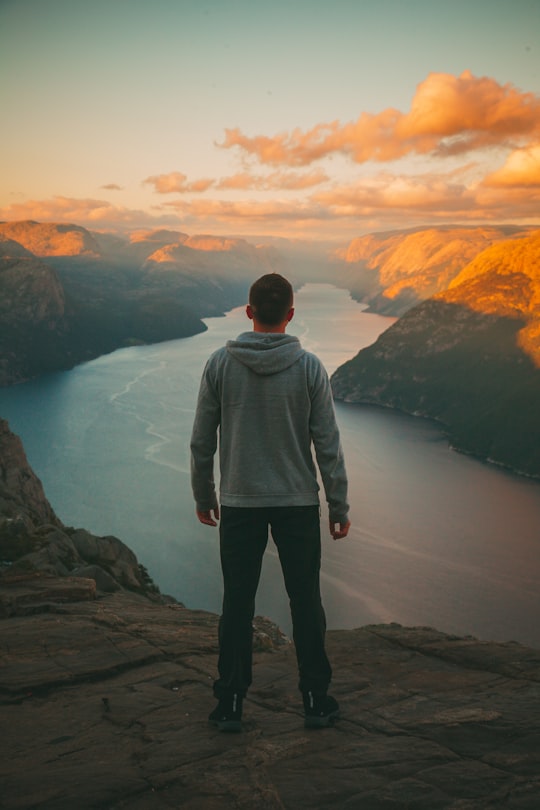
(206, 517)
(342, 531)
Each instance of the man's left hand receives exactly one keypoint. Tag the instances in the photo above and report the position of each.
(206, 517)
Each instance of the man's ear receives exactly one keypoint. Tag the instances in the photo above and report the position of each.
(290, 315)
(249, 312)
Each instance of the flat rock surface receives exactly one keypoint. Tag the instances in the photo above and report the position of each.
(104, 704)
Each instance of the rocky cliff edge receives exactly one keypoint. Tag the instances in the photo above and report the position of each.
(105, 688)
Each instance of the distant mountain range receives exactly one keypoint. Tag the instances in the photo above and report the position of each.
(68, 295)
(468, 356)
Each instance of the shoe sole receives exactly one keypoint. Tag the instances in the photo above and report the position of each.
(321, 722)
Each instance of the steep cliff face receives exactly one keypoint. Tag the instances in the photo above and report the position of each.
(469, 357)
(395, 271)
(21, 492)
(32, 314)
(30, 289)
(33, 540)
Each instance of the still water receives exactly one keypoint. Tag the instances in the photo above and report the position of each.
(438, 538)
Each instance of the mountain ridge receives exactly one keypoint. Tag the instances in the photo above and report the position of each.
(394, 270)
(468, 357)
(110, 292)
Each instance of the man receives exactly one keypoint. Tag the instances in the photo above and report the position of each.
(270, 401)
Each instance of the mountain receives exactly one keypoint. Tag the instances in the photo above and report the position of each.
(393, 271)
(48, 239)
(33, 326)
(468, 357)
(69, 295)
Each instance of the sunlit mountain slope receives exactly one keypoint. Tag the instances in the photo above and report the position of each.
(468, 357)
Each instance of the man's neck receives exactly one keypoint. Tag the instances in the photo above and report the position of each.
(278, 329)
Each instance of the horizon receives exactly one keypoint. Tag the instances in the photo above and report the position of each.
(299, 121)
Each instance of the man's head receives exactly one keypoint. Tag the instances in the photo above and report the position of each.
(271, 302)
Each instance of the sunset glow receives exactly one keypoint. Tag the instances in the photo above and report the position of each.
(183, 117)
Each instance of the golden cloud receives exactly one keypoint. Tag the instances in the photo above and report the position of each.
(89, 212)
(177, 182)
(522, 168)
(449, 115)
(429, 198)
(229, 211)
(283, 181)
(426, 193)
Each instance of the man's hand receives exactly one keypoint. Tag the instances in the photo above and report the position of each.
(206, 517)
(343, 530)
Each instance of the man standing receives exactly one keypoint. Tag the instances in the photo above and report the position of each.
(270, 401)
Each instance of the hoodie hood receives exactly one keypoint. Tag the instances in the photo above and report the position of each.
(265, 352)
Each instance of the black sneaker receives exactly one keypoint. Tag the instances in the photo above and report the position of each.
(227, 715)
(320, 710)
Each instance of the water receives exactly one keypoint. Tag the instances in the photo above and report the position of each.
(438, 538)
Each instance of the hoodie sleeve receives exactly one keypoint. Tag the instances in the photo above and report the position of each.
(327, 444)
(204, 442)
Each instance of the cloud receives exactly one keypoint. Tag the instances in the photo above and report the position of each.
(449, 115)
(282, 181)
(427, 195)
(112, 187)
(249, 210)
(522, 168)
(177, 182)
(402, 201)
(88, 212)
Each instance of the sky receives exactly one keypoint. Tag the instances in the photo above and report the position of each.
(292, 118)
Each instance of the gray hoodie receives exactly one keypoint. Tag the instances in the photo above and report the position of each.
(270, 401)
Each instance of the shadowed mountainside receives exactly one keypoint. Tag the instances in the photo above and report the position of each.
(67, 295)
(469, 357)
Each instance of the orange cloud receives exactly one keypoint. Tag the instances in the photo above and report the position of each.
(403, 201)
(243, 181)
(229, 211)
(177, 182)
(448, 115)
(88, 212)
(285, 181)
(522, 168)
(435, 195)
(472, 112)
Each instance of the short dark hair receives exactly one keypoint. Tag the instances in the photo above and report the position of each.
(271, 298)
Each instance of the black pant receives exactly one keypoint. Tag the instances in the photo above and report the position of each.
(243, 539)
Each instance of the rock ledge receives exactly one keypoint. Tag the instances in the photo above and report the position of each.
(105, 703)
